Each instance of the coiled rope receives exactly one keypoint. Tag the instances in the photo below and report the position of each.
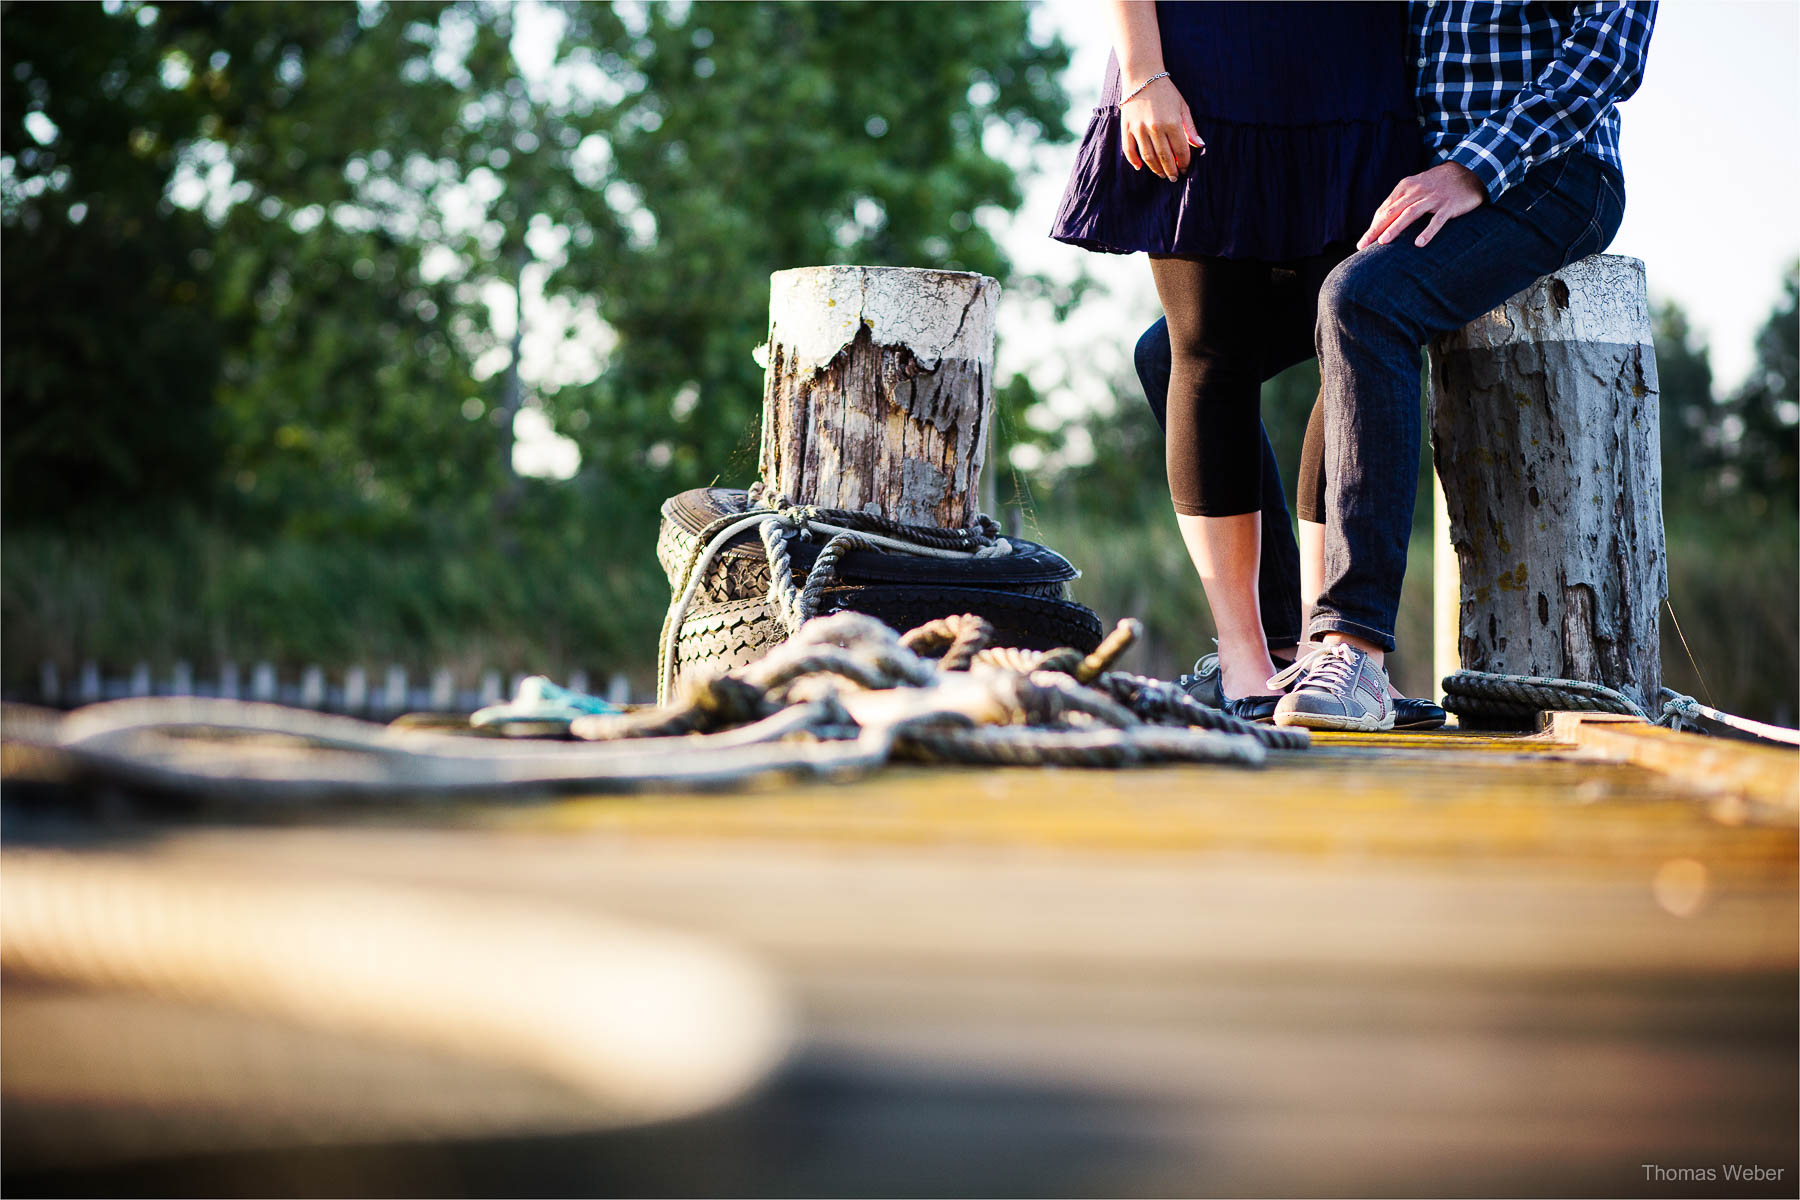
(1025, 687)
(775, 517)
(1491, 696)
(843, 697)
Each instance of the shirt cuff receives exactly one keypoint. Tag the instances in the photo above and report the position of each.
(1480, 159)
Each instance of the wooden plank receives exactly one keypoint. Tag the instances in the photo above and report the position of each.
(1767, 778)
(1450, 964)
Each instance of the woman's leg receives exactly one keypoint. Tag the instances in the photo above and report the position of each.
(1214, 455)
(1278, 577)
(1309, 505)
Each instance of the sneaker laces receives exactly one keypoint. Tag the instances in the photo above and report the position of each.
(1206, 664)
(1332, 669)
(1304, 655)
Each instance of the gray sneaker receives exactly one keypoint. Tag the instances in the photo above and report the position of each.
(1339, 688)
(1203, 684)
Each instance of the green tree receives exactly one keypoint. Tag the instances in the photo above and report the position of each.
(213, 226)
(757, 137)
(1765, 412)
(106, 330)
(333, 145)
(1689, 412)
(262, 264)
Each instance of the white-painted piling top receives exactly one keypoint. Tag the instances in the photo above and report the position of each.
(1601, 298)
(814, 312)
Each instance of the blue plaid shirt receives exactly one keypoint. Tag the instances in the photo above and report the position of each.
(1504, 86)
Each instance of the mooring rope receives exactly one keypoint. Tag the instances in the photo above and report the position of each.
(959, 638)
(158, 744)
(1057, 684)
(1493, 695)
(1012, 746)
(1488, 695)
(842, 698)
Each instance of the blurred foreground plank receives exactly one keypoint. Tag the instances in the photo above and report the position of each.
(1396, 965)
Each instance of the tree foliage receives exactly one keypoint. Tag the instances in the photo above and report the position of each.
(241, 195)
(265, 258)
(105, 300)
(766, 136)
(1765, 412)
(1688, 408)
(1739, 448)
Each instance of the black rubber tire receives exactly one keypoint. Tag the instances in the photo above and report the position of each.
(741, 569)
(720, 637)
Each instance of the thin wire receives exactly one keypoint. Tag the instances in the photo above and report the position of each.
(1690, 654)
(1022, 497)
(1025, 502)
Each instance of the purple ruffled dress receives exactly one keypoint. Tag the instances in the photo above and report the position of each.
(1308, 118)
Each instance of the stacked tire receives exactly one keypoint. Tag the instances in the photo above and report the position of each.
(1023, 595)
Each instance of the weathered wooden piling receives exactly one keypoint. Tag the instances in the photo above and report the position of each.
(879, 390)
(1544, 434)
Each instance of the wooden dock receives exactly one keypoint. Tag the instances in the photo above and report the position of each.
(1401, 965)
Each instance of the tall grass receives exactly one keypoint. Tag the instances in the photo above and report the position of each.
(1142, 570)
(1734, 586)
(205, 596)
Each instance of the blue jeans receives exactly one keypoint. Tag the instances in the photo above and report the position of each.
(1377, 308)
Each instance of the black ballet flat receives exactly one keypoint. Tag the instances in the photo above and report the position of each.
(1253, 708)
(1417, 714)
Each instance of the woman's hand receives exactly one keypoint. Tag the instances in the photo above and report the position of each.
(1157, 130)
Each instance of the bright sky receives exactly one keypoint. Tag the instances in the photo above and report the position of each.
(1711, 144)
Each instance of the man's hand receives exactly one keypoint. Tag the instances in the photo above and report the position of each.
(1156, 131)
(1445, 191)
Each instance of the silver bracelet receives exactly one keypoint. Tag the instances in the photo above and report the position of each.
(1145, 84)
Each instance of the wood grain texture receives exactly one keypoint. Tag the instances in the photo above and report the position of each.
(1387, 965)
(1545, 436)
(895, 422)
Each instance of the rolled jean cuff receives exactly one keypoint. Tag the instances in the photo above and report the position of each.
(1326, 624)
